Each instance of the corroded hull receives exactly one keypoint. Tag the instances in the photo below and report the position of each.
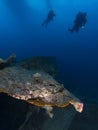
(37, 88)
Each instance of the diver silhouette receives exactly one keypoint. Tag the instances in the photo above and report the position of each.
(79, 22)
(49, 18)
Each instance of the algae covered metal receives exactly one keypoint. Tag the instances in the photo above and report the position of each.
(37, 88)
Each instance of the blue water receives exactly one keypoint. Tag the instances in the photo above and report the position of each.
(77, 54)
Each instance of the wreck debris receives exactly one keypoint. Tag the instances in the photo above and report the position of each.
(37, 88)
(48, 110)
(29, 113)
(4, 63)
(77, 105)
(43, 63)
(37, 78)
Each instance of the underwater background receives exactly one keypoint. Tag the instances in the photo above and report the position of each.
(21, 33)
(77, 56)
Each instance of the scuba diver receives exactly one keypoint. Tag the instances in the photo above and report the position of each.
(49, 18)
(79, 22)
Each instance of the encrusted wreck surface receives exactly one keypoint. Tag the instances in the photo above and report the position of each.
(24, 84)
(47, 64)
(24, 92)
(6, 62)
(37, 88)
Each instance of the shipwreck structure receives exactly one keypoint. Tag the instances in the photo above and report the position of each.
(36, 88)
